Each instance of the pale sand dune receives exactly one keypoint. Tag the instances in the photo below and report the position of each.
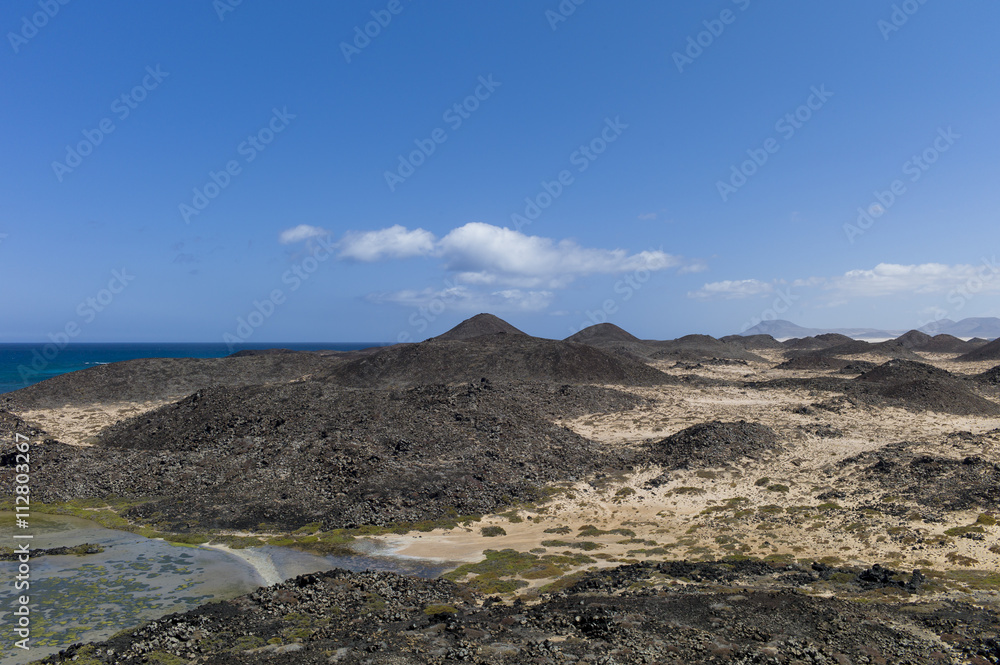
(79, 426)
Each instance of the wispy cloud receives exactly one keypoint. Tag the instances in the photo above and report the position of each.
(732, 289)
(300, 233)
(395, 242)
(888, 279)
(467, 299)
(885, 279)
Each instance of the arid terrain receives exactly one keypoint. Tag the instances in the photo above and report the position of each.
(614, 500)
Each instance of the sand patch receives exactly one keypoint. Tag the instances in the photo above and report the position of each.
(80, 425)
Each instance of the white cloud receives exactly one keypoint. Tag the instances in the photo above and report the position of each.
(731, 289)
(646, 216)
(693, 267)
(483, 253)
(465, 299)
(300, 233)
(395, 242)
(888, 279)
(885, 279)
(497, 269)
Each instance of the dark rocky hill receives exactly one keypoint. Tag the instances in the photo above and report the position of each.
(921, 387)
(752, 342)
(292, 454)
(890, 348)
(818, 360)
(990, 351)
(942, 343)
(700, 347)
(602, 333)
(823, 341)
(162, 378)
(902, 383)
(990, 377)
(499, 358)
(713, 444)
(477, 326)
(945, 343)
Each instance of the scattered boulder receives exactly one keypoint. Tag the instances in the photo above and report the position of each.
(933, 481)
(713, 444)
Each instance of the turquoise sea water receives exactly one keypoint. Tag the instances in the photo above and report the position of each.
(24, 364)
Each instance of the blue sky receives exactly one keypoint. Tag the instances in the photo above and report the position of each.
(695, 167)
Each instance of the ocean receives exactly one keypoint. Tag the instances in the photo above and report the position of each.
(24, 364)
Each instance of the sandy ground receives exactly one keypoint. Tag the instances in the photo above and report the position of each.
(710, 513)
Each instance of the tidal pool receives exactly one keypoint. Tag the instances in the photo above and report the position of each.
(91, 597)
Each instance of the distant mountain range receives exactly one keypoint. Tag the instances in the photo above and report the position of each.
(985, 327)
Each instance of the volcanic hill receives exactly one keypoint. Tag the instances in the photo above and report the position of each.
(477, 326)
(499, 357)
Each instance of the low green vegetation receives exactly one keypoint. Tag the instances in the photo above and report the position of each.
(590, 531)
(585, 545)
(624, 493)
(500, 570)
(435, 610)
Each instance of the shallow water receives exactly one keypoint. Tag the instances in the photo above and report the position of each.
(136, 579)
